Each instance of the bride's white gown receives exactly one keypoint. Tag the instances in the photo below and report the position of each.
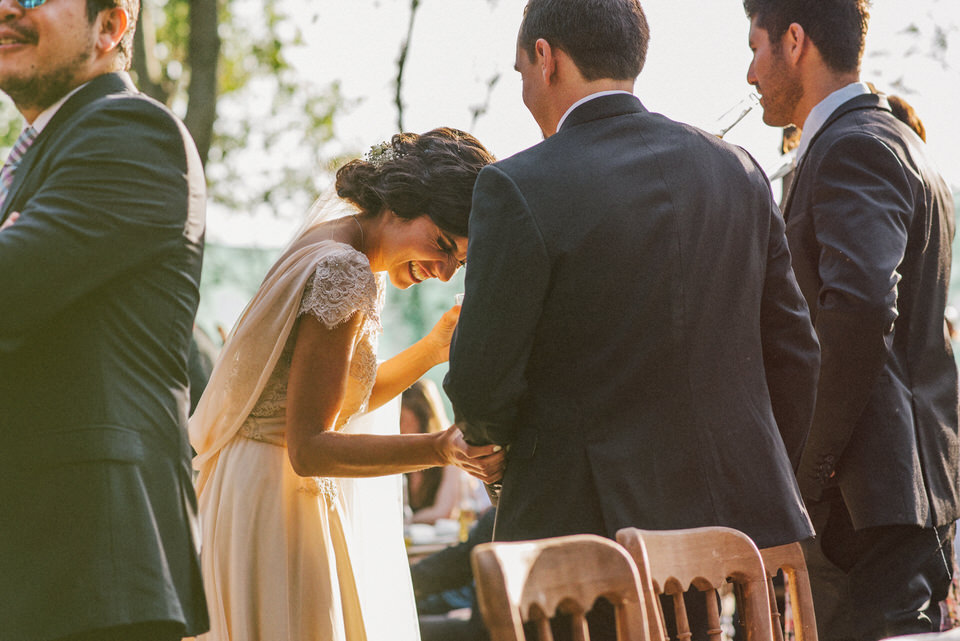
(287, 558)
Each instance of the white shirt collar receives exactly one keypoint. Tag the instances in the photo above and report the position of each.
(47, 114)
(824, 109)
(587, 99)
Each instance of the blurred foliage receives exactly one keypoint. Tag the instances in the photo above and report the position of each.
(10, 123)
(262, 105)
(932, 36)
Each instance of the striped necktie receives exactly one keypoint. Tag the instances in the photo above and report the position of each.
(19, 149)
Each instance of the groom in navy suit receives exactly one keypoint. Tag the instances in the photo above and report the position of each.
(100, 256)
(632, 328)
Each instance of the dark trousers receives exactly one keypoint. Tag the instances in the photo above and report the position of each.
(152, 631)
(876, 582)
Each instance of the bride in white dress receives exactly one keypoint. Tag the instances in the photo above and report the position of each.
(285, 536)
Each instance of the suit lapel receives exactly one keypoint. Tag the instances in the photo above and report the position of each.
(94, 90)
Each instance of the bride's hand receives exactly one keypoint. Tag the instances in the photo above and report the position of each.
(439, 337)
(486, 462)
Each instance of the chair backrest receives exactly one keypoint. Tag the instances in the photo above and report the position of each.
(531, 581)
(706, 559)
(789, 558)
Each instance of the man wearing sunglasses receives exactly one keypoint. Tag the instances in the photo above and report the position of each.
(100, 247)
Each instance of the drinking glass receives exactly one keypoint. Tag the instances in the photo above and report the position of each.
(735, 114)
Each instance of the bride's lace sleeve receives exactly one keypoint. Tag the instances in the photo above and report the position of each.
(340, 286)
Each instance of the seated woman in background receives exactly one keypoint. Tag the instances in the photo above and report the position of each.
(433, 493)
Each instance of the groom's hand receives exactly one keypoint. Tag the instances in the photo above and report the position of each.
(486, 462)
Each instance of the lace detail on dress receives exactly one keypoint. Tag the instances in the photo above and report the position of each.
(341, 285)
(273, 398)
(320, 486)
(251, 430)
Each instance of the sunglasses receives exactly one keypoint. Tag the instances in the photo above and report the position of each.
(31, 4)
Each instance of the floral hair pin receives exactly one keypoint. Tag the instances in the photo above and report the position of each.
(381, 153)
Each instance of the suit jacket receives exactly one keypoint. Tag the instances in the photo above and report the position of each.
(633, 331)
(870, 225)
(98, 289)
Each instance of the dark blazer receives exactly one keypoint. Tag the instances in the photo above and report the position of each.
(98, 290)
(633, 330)
(870, 225)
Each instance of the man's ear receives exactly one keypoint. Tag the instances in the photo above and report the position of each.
(793, 43)
(113, 24)
(547, 59)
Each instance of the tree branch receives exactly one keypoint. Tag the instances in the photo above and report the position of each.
(203, 56)
(145, 64)
(401, 62)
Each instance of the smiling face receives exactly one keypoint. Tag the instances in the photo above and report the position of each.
(778, 84)
(412, 251)
(45, 52)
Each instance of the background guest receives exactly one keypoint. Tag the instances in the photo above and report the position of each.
(99, 282)
(433, 493)
(444, 581)
(870, 225)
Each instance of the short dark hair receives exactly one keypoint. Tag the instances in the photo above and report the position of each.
(132, 7)
(413, 175)
(605, 38)
(837, 27)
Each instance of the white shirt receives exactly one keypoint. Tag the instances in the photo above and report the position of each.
(588, 99)
(824, 109)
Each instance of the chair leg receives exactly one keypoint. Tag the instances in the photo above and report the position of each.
(680, 613)
(775, 614)
(714, 630)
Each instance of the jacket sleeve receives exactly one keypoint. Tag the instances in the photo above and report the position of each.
(508, 271)
(114, 195)
(862, 205)
(791, 353)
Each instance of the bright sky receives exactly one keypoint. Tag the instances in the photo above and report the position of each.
(695, 71)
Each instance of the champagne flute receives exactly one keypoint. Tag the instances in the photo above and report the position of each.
(735, 114)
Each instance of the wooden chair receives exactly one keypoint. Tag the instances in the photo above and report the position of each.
(789, 558)
(706, 559)
(531, 581)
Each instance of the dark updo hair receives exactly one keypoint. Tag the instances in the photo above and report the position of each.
(417, 174)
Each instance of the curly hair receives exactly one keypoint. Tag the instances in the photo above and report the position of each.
(837, 27)
(413, 175)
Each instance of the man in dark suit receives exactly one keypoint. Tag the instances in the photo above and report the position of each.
(631, 328)
(870, 224)
(99, 270)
